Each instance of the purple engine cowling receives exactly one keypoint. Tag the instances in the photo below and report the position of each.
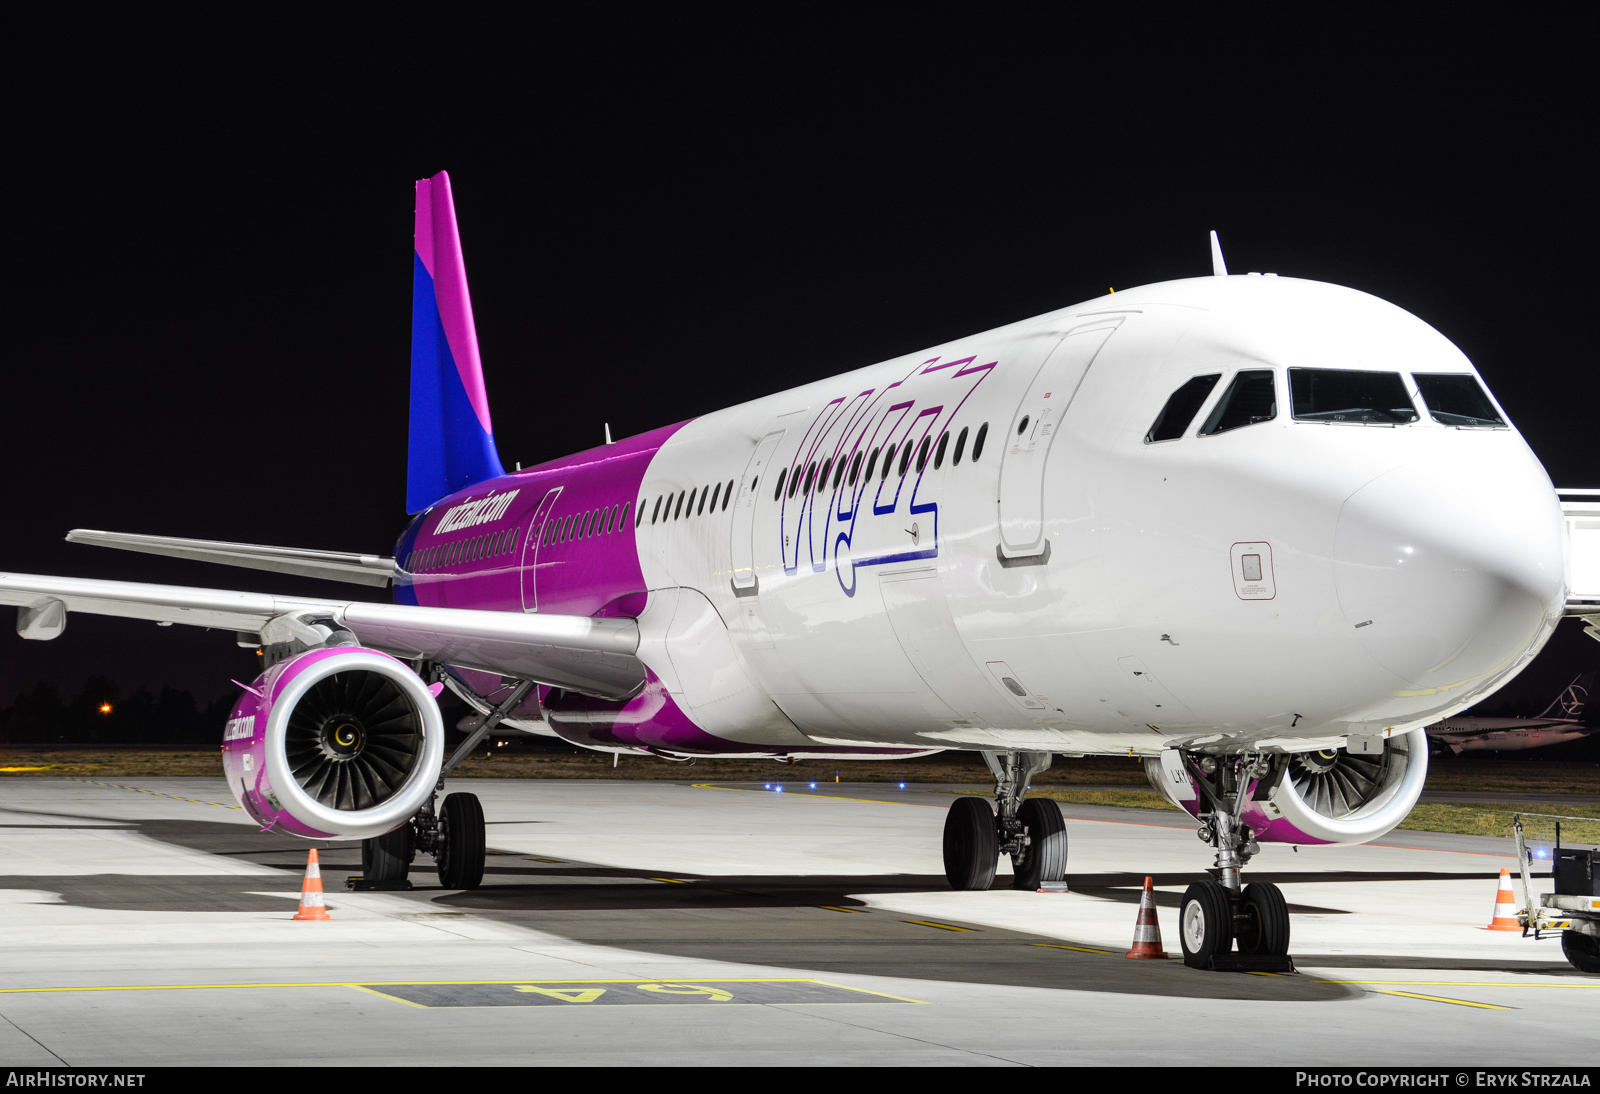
(1324, 797)
(340, 743)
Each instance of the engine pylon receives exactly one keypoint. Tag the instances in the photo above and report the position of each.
(311, 904)
(1505, 906)
(1147, 928)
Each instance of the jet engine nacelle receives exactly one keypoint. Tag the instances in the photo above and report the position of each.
(1330, 796)
(339, 743)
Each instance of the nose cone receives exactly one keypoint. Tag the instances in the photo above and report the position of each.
(1451, 572)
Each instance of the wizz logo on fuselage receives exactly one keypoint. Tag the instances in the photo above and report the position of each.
(481, 511)
(860, 456)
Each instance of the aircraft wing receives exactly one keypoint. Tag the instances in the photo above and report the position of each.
(592, 656)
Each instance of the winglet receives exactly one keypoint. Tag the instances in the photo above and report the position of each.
(1218, 267)
(451, 436)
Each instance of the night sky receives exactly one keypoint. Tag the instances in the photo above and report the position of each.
(665, 213)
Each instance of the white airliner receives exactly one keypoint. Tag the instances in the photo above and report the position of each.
(1258, 530)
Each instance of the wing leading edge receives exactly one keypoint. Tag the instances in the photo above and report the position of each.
(592, 656)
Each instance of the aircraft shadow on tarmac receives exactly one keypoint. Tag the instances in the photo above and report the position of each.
(814, 923)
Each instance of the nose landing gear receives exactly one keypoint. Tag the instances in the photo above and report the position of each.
(1220, 911)
(1031, 831)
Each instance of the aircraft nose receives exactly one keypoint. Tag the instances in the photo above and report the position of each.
(1451, 571)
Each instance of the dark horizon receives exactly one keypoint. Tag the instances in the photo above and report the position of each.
(665, 213)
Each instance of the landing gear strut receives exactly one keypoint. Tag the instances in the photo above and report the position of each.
(1031, 831)
(453, 834)
(1218, 912)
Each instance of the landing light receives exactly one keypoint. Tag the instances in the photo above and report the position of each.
(105, 708)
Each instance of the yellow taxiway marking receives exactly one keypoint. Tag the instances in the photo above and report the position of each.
(142, 790)
(671, 880)
(941, 926)
(46, 767)
(548, 987)
(1460, 984)
(836, 908)
(438, 983)
(1441, 999)
(1062, 946)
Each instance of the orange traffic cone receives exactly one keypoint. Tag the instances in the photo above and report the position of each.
(1505, 906)
(311, 906)
(1147, 928)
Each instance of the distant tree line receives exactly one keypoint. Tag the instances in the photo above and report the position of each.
(99, 714)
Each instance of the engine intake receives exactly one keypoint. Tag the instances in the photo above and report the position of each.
(341, 743)
(1329, 796)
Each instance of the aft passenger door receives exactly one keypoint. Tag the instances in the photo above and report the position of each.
(1033, 429)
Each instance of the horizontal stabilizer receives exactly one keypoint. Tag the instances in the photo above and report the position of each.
(329, 565)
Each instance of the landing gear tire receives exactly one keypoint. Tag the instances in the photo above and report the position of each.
(1582, 950)
(1045, 858)
(388, 857)
(971, 847)
(462, 846)
(1205, 924)
(1262, 925)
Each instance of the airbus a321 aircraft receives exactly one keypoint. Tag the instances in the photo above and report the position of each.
(1257, 530)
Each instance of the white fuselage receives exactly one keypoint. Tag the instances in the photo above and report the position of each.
(1395, 573)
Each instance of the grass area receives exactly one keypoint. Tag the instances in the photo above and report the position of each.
(1123, 779)
(1459, 819)
(528, 763)
(119, 764)
(1495, 820)
(1126, 799)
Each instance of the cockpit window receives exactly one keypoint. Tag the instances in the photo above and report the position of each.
(1456, 398)
(1252, 397)
(1345, 395)
(1181, 409)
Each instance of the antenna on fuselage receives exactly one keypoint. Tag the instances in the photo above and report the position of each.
(608, 434)
(1218, 267)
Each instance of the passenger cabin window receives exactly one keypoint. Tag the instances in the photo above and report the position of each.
(855, 469)
(872, 463)
(727, 495)
(1456, 398)
(961, 444)
(977, 442)
(782, 474)
(1347, 395)
(1252, 397)
(1181, 408)
(938, 453)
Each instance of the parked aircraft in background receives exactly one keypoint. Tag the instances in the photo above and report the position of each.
(1569, 718)
(1258, 530)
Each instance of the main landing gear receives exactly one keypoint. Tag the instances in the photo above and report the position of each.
(1220, 911)
(1030, 830)
(453, 833)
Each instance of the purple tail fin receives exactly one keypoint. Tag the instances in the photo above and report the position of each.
(452, 437)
